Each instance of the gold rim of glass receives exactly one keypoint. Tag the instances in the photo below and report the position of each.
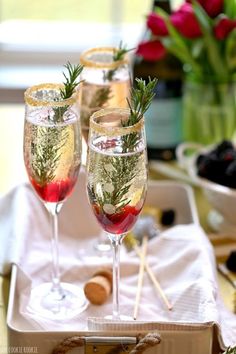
(84, 58)
(114, 131)
(31, 100)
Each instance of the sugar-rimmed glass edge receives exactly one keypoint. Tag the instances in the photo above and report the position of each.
(114, 131)
(33, 101)
(96, 64)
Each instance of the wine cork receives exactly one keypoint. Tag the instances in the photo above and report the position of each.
(99, 287)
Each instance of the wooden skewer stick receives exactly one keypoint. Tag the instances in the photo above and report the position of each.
(153, 278)
(140, 276)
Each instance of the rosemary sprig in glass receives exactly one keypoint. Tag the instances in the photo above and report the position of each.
(45, 153)
(122, 171)
(230, 350)
(69, 88)
(140, 100)
(98, 101)
(71, 81)
(100, 97)
(117, 56)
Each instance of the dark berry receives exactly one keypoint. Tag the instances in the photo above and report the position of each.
(231, 261)
(230, 175)
(231, 170)
(228, 155)
(224, 145)
(209, 167)
(219, 164)
(168, 217)
(199, 159)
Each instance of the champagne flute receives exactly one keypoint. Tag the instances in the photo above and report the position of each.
(106, 83)
(116, 178)
(52, 155)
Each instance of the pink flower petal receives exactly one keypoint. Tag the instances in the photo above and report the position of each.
(157, 25)
(184, 20)
(151, 50)
(223, 27)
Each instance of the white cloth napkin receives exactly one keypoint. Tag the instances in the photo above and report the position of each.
(182, 259)
(20, 216)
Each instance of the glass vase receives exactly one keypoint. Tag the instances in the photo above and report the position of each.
(209, 111)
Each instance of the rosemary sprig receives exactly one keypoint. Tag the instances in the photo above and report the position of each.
(120, 53)
(67, 91)
(71, 81)
(140, 100)
(117, 56)
(50, 140)
(45, 153)
(101, 96)
(98, 101)
(230, 350)
(117, 174)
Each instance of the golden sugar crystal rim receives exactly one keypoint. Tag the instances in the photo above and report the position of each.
(96, 64)
(32, 101)
(114, 131)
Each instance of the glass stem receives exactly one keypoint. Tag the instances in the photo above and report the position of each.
(116, 242)
(55, 255)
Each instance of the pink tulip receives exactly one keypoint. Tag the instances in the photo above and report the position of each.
(223, 27)
(212, 7)
(184, 20)
(157, 25)
(151, 50)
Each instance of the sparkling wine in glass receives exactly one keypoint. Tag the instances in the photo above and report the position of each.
(106, 82)
(52, 155)
(116, 178)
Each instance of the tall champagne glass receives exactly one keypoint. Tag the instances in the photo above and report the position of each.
(52, 154)
(106, 82)
(116, 179)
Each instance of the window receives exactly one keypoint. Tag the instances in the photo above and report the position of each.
(68, 26)
(38, 37)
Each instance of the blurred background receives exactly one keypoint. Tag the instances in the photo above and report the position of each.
(36, 39)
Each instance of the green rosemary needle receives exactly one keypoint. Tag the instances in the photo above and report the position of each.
(140, 100)
(120, 53)
(71, 80)
(117, 56)
(230, 350)
(123, 171)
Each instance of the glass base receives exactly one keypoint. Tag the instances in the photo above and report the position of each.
(103, 244)
(65, 303)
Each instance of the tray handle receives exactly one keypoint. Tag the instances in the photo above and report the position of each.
(109, 345)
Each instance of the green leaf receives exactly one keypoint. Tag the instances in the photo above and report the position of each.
(169, 43)
(197, 48)
(215, 58)
(230, 51)
(178, 39)
(177, 45)
(230, 8)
